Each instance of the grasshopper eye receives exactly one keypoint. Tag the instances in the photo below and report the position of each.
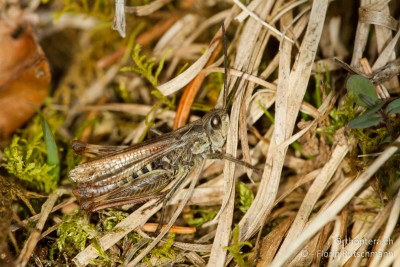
(216, 122)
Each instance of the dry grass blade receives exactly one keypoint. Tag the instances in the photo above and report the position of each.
(183, 110)
(180, 81)
(366, 234)
(196, 259)
(201, 248)
(294, 94)
(38, 216)
(391, 223)
(395, 250)
(381, 18)
(333, 261)
(313, 194)
(225, 215)
(248, 42)
(322, 112)
(326, 185)
(260, 20)
(270, 242)
(205, 196)
(329, 214)
(147, 9)
(387, 53)
(246, 76)
(360, 40)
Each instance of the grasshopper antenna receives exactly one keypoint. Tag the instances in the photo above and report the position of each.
(228, 97)
(225, 103)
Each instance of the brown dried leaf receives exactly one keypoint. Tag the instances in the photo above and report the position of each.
(25, 77)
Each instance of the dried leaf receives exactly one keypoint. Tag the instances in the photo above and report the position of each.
(25, 77)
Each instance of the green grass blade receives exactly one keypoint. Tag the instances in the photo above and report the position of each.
(51, 147)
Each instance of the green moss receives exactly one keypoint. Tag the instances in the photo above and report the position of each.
(101, 9)
(246, 196)
(236, 249)
(74, 232)
(145, 66)
(109, 219)
(201, 216)
(163, 252)
(26, 159)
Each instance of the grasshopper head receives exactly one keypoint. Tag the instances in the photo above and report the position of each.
(216, 124)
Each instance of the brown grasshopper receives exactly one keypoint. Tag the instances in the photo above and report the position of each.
(135, 174)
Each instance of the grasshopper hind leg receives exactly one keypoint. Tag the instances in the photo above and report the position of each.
(141, 189)
(167, 197)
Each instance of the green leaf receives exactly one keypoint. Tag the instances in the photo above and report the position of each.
(367, 100)
(267, 113)
(393, 107)
(361, 88)
(368, 119)
(365, 121)
(375, 108)
(52, 151)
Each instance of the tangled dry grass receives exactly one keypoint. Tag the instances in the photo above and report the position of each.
(328, 195)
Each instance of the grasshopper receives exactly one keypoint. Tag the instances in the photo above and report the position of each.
(135, 174)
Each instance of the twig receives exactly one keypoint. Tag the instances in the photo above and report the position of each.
(30, 244)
